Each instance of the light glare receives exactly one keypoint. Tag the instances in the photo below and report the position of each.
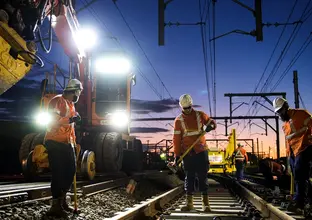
(113, 65)
(85, 38)
(120, 119)
(43, 118)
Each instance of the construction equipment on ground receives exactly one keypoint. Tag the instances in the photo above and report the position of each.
(104, 143)
(221, 160)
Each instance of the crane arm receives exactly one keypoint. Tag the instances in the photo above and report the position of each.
(19, 21)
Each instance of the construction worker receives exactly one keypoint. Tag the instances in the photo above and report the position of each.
(188, 126)
(297, 128)
(60, 143)
(269, 168)
(240, 157)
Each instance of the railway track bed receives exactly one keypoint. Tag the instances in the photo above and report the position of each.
(159, 196)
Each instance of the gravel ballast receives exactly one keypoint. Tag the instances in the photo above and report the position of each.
(98, 206)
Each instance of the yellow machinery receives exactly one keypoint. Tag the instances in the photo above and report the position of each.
(221, 161)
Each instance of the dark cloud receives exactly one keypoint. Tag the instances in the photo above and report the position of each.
(147, 130)
(158, 106)
(24, 98)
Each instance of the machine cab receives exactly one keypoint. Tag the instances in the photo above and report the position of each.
(112, 93)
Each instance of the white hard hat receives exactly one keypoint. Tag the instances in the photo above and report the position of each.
(73, 84)
(278, 103)
(185, 101)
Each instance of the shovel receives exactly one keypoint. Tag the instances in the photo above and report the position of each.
(175, 168)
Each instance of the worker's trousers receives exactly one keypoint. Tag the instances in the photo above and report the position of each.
(196, 164)
(300, 167)
(62, 163)
(239, 165)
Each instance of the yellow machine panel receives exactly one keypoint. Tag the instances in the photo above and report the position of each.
(217, 162)
(221, 161)
(12, 70)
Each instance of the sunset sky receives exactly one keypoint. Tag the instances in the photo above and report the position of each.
(240, 62)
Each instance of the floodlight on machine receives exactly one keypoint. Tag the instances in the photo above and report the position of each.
(113, 65)
(119, 119)
(43, 118)
(85, 38)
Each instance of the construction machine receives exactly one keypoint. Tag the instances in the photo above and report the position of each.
(221, 161)
(104, 143)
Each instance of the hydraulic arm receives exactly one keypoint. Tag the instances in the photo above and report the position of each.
(20, 28)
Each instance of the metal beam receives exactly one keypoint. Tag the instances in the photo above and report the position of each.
(255, 94)
(215, 118)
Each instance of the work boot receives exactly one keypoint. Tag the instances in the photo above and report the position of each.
(189, 203)
(65, 205)
(56, 209)
(206, 206)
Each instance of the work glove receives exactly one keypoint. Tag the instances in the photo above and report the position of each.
(209, 128)
(75, 119)
(176, 161)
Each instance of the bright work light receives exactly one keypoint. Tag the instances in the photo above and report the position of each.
(119, 119)
(113, 65)
(43, 118)
(85, 38)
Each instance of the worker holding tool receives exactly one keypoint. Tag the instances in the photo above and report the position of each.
(241, 158)
(60, 143)
(270, 168)
(297, 128)
(189, 132)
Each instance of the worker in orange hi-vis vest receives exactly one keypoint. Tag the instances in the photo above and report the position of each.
(60, 142)
(270, 168)
(297, 128)
(188, 126)
(240, 157)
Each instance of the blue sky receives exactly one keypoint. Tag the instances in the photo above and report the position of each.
(239, 62)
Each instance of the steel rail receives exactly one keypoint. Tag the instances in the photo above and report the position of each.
(150, 207)
(32, 193)
(266, 209)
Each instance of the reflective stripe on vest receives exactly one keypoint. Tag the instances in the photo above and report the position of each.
(294, 132)
(57, 111)
(239, 155)
(187, 133)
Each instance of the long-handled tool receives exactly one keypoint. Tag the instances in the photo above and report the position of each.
(75, 183)
(75, 196)
(174, 168)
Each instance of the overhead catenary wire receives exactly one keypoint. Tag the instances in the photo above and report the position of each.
(284, 52)
(140, 46)
(282, 55)
(102, 23)
(204, 50)
(266, 66)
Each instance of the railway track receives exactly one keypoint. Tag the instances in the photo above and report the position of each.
(228, 200)
(24, 193)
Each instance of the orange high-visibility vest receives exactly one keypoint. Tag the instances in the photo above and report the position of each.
(61, 130)
(298, 131)
(187, 128)
(240, 154)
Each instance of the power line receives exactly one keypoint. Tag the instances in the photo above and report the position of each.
(294, 59)
(137, 41)
(204, 55)
(280, 59)
(283, 54)
(101, 22)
